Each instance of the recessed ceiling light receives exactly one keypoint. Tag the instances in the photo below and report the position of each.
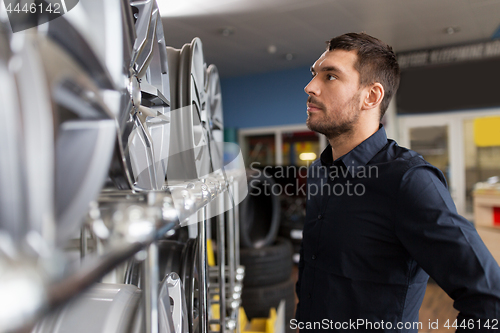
(271, 49)
(227, 31)
(451, 30)
(289, 56)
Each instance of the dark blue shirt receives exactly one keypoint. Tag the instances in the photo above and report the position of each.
(379, 220)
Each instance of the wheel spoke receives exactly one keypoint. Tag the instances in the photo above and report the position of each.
(146, 30)
(144, 113)
(217, 124)
(152, 95)
(145, 137)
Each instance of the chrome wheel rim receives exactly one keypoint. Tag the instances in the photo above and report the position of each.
(190, 278)
(191, 155)
(215, 118)
(146, 147)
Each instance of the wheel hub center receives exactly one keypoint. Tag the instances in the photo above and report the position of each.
(134, 89)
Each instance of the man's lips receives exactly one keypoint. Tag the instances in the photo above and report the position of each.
(313, 107)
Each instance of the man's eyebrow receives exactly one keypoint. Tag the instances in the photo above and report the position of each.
(327, 69)
(331, 69)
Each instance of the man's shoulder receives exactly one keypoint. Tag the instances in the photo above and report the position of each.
(316, 163)
(396, 163)
(404, 163)
(392, 158)
(393, 153)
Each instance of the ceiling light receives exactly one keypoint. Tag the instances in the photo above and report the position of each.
(271, 49)
(289, 56)
(227, 31)
(452, 30)
(307, 156)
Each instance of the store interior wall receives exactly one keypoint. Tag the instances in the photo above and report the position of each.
(278, 98)
(268, 99)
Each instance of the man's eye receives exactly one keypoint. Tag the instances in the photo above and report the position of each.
(330, 77)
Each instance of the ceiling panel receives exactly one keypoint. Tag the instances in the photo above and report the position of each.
(301, 27)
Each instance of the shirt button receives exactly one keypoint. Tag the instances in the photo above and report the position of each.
(313, 257)
(320, 217)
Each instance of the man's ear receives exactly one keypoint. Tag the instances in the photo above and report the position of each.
(373, 96)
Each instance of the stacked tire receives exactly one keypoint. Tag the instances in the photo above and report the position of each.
(260, 212)
(268, 280)
(292, 230)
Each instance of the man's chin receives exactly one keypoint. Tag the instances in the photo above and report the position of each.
(308, 123)
(313, 125)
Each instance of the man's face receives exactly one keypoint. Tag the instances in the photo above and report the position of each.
(333, 106)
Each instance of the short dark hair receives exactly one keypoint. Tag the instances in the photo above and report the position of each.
(376, 62)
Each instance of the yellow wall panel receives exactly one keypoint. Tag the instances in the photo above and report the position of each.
(487, 131)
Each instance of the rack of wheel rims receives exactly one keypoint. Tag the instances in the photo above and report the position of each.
(113, 187)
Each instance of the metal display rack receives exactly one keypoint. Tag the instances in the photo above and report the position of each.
(113, 190)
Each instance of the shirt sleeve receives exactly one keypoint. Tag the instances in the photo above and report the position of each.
(446, 245)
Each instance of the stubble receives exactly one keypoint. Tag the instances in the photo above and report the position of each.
(335, 125)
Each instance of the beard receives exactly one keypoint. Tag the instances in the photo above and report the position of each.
(334, 125)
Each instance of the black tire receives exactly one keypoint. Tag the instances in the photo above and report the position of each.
(257, 301)
(259, 212)
(267, 265)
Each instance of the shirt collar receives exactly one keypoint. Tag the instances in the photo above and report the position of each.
(360, 155)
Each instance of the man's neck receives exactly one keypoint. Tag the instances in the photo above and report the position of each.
(344, 143)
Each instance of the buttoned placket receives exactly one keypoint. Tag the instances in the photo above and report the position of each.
(321, 219)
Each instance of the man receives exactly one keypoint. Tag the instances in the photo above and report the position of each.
(379, 217)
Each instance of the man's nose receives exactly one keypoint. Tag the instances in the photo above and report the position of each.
(312, 88)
